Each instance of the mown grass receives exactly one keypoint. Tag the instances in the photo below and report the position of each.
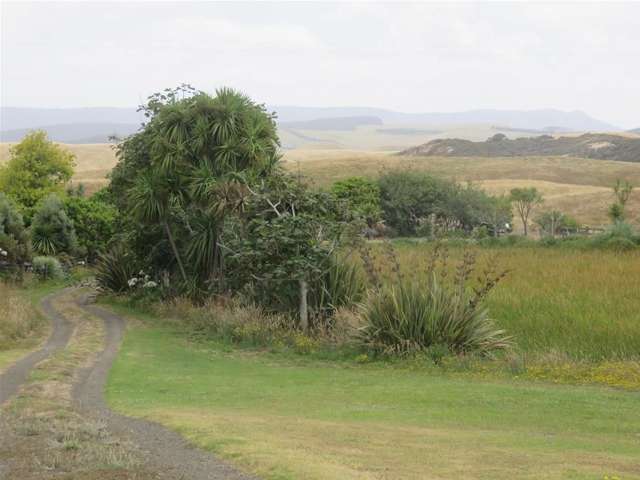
(290, 418)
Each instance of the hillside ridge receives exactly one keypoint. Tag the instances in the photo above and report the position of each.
(589, 145)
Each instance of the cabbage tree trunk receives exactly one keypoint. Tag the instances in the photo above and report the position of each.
(175, 250)
(304, 311)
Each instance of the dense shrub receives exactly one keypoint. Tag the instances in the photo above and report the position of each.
(620, 237)
(414, 317)
(361, 197)
(48, 268)
(52, 232)
(14, 239)
(411, 316)
(94, 224)
(115, 268)
(416, 203)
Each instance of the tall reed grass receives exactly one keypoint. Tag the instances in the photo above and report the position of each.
(18, 320)
(576, 304)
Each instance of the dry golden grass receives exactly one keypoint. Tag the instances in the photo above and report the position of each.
(577, 186)
(21, 327)
(350, 450)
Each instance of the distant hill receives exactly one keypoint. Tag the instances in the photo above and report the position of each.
(600, 146)
(337, 123)
(635, 130)
(575, 121)
(75, 132)
(302, 118)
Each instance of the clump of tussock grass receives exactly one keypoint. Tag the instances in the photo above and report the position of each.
(18, 319)
(439, 314)
(582, 304)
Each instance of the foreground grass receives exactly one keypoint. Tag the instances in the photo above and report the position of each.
(287, 418)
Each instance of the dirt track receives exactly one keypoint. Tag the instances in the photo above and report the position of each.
(163, 452)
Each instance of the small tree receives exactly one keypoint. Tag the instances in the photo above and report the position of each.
(52, 231)
(94, 222)
(36, 168)
(525, 200)
(553, 221)
(622, 191)
(284, 243)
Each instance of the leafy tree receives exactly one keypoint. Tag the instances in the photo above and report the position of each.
(94, 222)
(14, 238)
(409, 198)
(622, 191)
(525, 200)
(553, 221)
(36, 168)
(285, 243)
(52, 231)
(184, 172)
(361, 196)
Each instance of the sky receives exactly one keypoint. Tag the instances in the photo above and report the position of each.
(411, 57)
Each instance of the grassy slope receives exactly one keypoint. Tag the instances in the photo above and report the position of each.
(296, 419)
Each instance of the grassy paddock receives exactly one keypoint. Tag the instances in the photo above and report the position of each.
(287, 418)
(558, 303)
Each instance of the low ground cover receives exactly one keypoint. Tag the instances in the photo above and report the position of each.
(287, 417)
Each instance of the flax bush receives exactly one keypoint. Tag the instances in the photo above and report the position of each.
(410, 316)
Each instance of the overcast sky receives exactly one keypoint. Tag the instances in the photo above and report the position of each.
(402, 56)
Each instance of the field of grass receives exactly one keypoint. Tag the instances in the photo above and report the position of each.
(582, 305)
(287, 418)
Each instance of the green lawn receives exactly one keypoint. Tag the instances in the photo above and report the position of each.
(298, 418)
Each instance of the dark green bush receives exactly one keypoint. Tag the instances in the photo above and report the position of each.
(14, 239)
(415, 317)
(115, 268)
(52, 231)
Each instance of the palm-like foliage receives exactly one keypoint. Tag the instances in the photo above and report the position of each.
(414, 317)
(114, 269)
(199, 147)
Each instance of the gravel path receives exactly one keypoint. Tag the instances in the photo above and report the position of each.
(164, 450)
(16, 375)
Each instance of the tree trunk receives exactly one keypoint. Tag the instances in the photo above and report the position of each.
(524, 224)
(175, 250)
(304, 313)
